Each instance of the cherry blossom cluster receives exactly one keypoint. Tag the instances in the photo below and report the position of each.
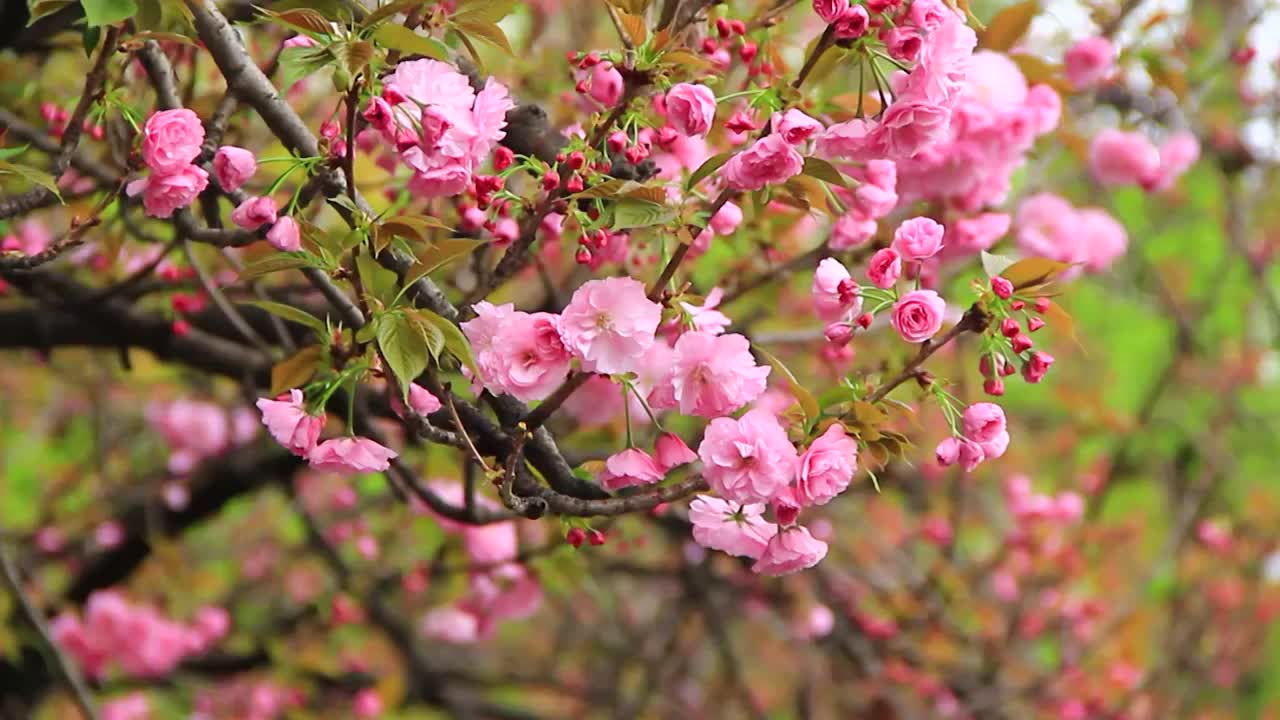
(195, 430)
(134, 639)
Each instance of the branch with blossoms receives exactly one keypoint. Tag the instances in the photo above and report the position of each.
(574, 305)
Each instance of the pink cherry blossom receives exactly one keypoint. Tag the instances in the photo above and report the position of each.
(1088, 62)
(163, 194)
(284, 235)
(830, 10)
(791, 550)
(1177, 154)
(1123, 158)
(671, 451)
(290, 424)
(606, 84)
(983, 421)
(918, 238)
(452, 625)
(171, 140)
(421, 401)
(835, 294)
(490, 544)
(529, 361)
(629, 468)
(233, 166)
(851, 230)
(769, 161)
(826, 468)
(350, 455)
(749, 459)
(731, 528)
(690, 108)
(917, 316)
(726, 219)
(795, 126)
(254, 212)
(884, 268)
(609, 324)
(715, 374)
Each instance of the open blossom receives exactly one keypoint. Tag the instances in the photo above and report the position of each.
(254, 212)
(918, 238)
(835, 294)
(163, 194)
(795, 126)
(609, 324)
(452, 625)
(1088, 61)
(884, 268)
(491, 543)
(1049, 227)
(1123, 158)
(171, 140)
(350, 455)
(768, 162)
(289, 422)
(917, 316)
(706, 317)
(524, 355)
(443, 128)
(826, 468)
(630, 467)
(284, 235)
(830, 10)
(909, 126)
(233, 166)
(715, 374)
(791, 550)
(731, 528)
(749, 459)
(690, 108)
(983, 422)
(851, 230)
(1177, 154)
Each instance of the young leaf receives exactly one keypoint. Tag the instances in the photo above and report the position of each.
(386, 11)
(272, 263)
(629, 214)
(404, 345)
(292, 314)
(1008, 26)
(299, 62)
(710, 165)
(1033, 271)
(303, 20)
(825, 171)
(377, 280)
(483, 11)
(454, 341)
(489, 32)
(440, 253)
(399, 37)
(6, 153)
(995, 265)
(105, 12)
(33, 176)
(606, 189)
(296, 370)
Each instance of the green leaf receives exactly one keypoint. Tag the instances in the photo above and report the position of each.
(304, 20)
(299, 62)
(454, 341)
(606, 189)
(405, 346)
(399, 37)
(710, 165)
(377, 280)
(629, 214)
(440, 253)
(6, 153)
(386, 11)
(489, 32)
(44, 8)
(483, 11)
(89, 38)
(825, 171)
(994, 264)
(271, 264)
(808, 404)
(291, 313)
(32, 175)
(105, 12)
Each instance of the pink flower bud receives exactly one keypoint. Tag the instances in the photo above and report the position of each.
(1002, 288)
(1021, 343)
(575, 537)
(284, 235)
(838, 333)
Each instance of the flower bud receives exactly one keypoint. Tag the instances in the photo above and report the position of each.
(575, 537)
(595, 537)
(1009, 327)
(1034, 324)
(503, 158)
(838, 333)
(1021, 343)
(1042, 304)
(993, 386)
(1001, 287)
